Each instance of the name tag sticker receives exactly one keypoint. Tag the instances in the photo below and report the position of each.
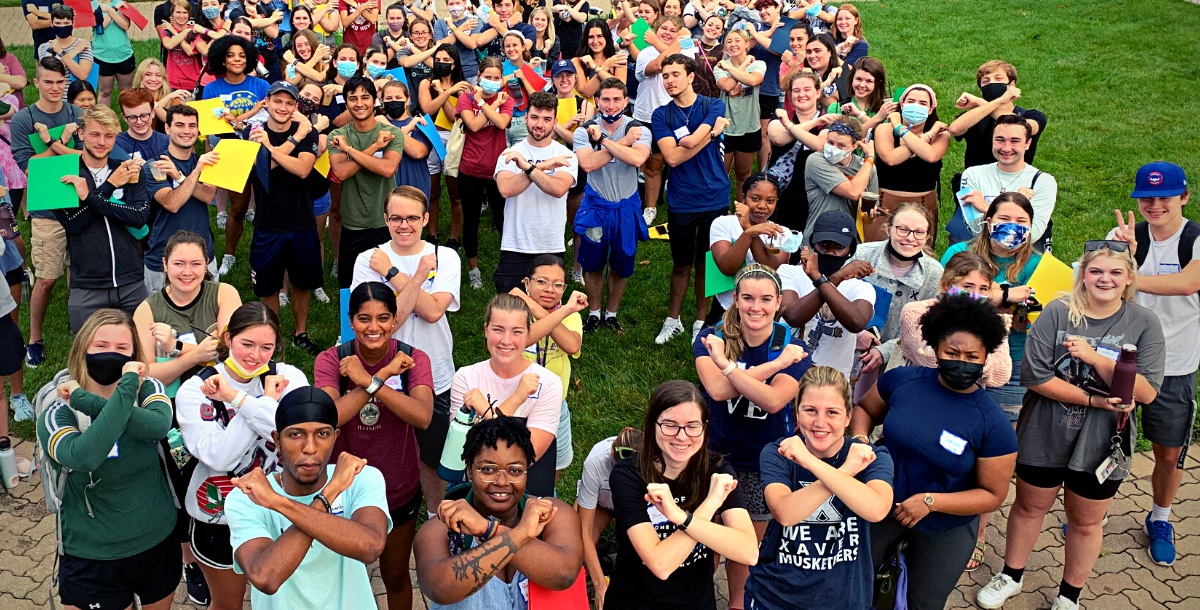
(378, 154)
(115, 452)
(339, 99)
(188, 338)
(656, 517)
(1107, 352)
(395, 382)
(682, 132)
(953, 443)
(1167, 269)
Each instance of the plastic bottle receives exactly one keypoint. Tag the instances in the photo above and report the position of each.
(451, 467)
(1125, 374)
(8, 464)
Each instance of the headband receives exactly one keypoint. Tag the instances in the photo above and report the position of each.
(926, 89)
(305, 405)
(844, 129)
(755, 268)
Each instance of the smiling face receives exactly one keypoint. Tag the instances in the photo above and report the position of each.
(1105, 278)
(735, 45)
(361, 104)
(301, 20)
(647, 12)
(304, 50)
(797, 40)
(761, 198)
(863, 83)
(112, 338)
(846, 22)
(595, 40)
(1009, 145)
(822, 417)
(140, 119)
(420, 35)
(253, 347)
(672, 7)
(505, 335)
(667, 32)
(757, 302)
(373, 325)
(1008, 212)
(185, 266)
(539, 21)
(514, 48)
(817, 55)
(180, 16)
(503, 8)
(503, 491)
(98, 140)
(241, 30)
(235, 60)
(974, 283)
(305, 450)
(183, 131)
(917, 228)
(564, 83)
(546, 285)
(714, 26)
(405, 220)
(85, 99)
(1163, 212)
(611, 101)
(152, 78)
(804, 96)
(678, 449)
(280, 107)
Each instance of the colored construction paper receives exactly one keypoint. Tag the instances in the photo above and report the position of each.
(779, 40)
(639, 29)
(46, 188)
(210, 125)
(431, 133)
(1051, 278)
(93, 77)
(566, 110)
(344, 316)
(133, 15)
(35, 139)
(715, 281)
(322, 164)
(444, 121)
(659, 232)
(84, 15)
(397, 74)
(535, 80)
(883, 303)
(573, 598)
(896, 96)
(236, 161)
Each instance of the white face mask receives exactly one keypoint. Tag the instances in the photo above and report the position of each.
(834, 154)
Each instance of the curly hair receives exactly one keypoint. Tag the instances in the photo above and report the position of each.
(961, 313)
(220, 47)
(489, 433)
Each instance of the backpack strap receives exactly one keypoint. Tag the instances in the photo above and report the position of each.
(1141, 232)
(1033, 183)
(780, 335)
(1187, 242)
(222, 410)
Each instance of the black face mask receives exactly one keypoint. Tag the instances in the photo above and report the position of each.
(394, 109)
(959, 374)
(992, 91)
(900, 257)
(105, 367)
(829, 264)
(306, 106)
(442, 68)
(62, 31)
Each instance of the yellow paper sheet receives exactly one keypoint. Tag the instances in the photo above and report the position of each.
(566, 110)
(1051, 278)
(322, 164)
(209, 124)
(234, 167)
(443, 121)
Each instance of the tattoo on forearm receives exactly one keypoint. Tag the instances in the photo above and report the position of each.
(471, 564)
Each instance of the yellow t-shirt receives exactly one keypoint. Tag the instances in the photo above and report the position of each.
(547, 353)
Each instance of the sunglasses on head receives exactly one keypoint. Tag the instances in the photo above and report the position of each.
(1114, 245)
(623, 452)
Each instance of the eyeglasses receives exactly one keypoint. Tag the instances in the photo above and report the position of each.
(670, 428)
(411, 220)
(905, 232)
(1114, 245)
(488, 473)
(137, 118)
(544, 283)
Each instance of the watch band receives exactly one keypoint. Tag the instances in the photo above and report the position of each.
(929, 501)
(821, 280)
(686, 522)
(727, 371)
(293, 141)
(529, 170)
(328, 507)
(391, 274)
(376, 383)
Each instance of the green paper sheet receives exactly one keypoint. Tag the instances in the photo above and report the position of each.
(639, 29)
(715, 281)
(36, 140)
(46, 189)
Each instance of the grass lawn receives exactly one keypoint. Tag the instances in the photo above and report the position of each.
(1115, 89)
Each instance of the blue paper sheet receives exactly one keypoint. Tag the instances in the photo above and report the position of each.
(344, 315)
(436, 140)
(883, 303)
(779, 40)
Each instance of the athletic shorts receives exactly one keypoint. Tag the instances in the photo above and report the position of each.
(322, 204)
(595, 254)
(1082, 484)
(121, 67)
(296, 252)
(566, 452)
(689, 235)
(431, 440)
(580, 182)
(12, 347)
(748, 143)
(756, 504)
(48, 248)
(767, 104)
(1168, 420)
(110, 584)
(406, 512)
(210, 544)
(16, 277)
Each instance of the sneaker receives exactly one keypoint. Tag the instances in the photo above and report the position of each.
(226, 265)
(303, 342)
(454, 244)
(1162, 541)
(612, 324)
(670, 328)
(221, 218)
(1062, 603)
(475, 278)
(22, 408)
(649, 214)
(35, 354)
(577, 276)
(334, 269)
(24, 466)
(997, 591)
(697, 326)
(250, 216)
(283, 299)
(321, 296)
(590, 325)
(197, 588)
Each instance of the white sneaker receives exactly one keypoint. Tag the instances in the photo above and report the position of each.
(321, 296)
(475, 278)
(649, 214)
(333, 271)
(221, 216)
(670, 328)
(697, 326)
(997, 591)
(1062, 603)
(283, 299)
(577, 276)
(226, 265)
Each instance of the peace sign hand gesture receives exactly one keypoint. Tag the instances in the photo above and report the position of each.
(1125, 231)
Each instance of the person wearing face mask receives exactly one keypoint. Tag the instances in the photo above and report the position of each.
(828, 318)
(997, 82)
(459, 30)
(101, 434)
(75, 53)
(748, 236)
(952, 446)
(837, 178)
(226, 413)
(375, 63)
(414, 167)
(795, 134)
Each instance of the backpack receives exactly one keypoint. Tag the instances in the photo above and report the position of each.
(780, 338)
(1187, 242)
(347, 349)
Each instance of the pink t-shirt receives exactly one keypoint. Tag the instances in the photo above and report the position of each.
(541, 410)
(12, 174)
(183, 70)
(378, 435)
(481, 148)
(13, 65)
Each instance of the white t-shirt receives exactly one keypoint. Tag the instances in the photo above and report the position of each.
(651, 93)
(831, 344)
(432, 338)
(593, 489)
(727, 228)
(989, 180)
(534, 222)
(1179, 315)
(541, 410)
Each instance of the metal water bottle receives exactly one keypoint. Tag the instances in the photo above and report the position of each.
(1125, 374)
(8, 464)
(452, 468)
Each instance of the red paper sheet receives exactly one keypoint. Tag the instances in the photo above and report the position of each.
(84, 17)
(574, 598)
(134, 15)
(535, 80)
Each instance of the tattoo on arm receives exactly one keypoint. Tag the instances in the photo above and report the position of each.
(470, 565)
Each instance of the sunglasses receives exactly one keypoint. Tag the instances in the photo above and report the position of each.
(1114, 245)
(623, 452)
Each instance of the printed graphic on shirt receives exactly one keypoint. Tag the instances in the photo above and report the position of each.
(211, 494)
(664, 528)
(823, 540)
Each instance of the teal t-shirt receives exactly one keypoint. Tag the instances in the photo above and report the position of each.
(113, 45)
(324, 579)
(1016, 338)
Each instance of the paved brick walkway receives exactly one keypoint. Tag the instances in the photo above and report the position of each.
(1124, 577)
(14, 30)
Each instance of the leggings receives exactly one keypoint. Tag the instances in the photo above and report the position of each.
(474, 191)
(936, 560)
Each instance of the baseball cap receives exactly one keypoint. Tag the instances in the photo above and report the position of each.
(284, 86)
(560, 66)
(1159, 179)
(835, 226)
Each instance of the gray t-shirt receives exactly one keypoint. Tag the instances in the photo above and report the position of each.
(617, 180)
(742, 110)
(1055, 435)
(593, 489)
(820, 178)
(22, 127)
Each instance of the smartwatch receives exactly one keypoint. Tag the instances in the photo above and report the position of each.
(821, 280)
(293, 141)
(376, 383)
(391, 274)
(529, 170)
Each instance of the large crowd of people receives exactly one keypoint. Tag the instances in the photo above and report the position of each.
(858, 399)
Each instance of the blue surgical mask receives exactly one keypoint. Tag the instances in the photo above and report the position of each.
(791, 242)
(834, 154)
(813, 10)
(373, 70)
(913, 114)
(490, 87)
(1010, 234)
(211, 12)
(955, 291)
(346, 69)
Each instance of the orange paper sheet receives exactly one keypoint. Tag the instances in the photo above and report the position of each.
(234, 167)
(134, 15)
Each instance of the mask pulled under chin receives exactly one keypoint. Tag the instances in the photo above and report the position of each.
(235, 368)
(900, 257)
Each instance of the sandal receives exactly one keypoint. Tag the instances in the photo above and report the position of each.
(976, 556)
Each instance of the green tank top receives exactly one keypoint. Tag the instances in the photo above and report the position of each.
(190, 320)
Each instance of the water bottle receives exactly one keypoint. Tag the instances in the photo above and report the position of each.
(1125, 374)
(452, 468)
(8, 464)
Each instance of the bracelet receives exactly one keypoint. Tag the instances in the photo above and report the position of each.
(686, 522)
(239, 399)
(1089, 402)
(727, 371)
(862, 437)
(1004, 293)
(374, 386)
(492, 527)
(328, 507)
(904, 132)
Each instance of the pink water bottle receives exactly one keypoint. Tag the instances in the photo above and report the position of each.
(1125, 374)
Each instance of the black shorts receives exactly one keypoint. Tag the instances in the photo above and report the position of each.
(1082, 484)
(580, 183)
(767, 104)
(121, 67)
(110, 584)
(748, 143)
(431, 440)
(16, 276)
(210, 544)
(12, 346)
(689, 235)
(1168, 420)
(298, 253)
(512, 268)
(406, 512)
(355, 242)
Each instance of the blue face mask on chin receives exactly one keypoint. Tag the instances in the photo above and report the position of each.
(913, 114)
(611, 118)
(490, 87)
(346, 69)
(1009, 235)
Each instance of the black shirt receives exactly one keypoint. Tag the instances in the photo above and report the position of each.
(569, 31)
(285, 204)
(979, 138)
(914, 175)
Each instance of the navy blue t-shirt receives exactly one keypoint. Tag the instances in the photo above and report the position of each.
(151, 148)
(192, 216)
(823, 561)
(935, 435)
(414, 172)
(238, 98)
(739, 428)
(770, 83)
(701, 183)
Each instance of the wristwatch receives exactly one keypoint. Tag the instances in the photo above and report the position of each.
(821, 280)
(391, 274)
(178, 349)
(929, 501)
(323, 500)
(686, 522)
(376, 383)
(529, 170)
(293, 141)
